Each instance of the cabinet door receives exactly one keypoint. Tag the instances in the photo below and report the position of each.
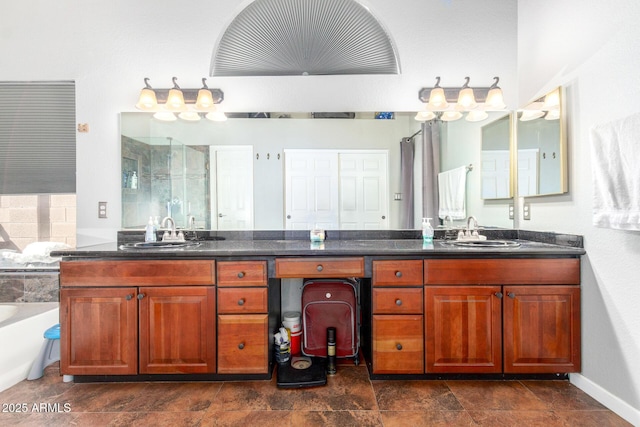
(243, 344)
(177, 329)
(398, 345)
(463, 329)
(542, 329)
(98, 334)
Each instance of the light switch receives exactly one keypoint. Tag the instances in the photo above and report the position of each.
(526, 211)
(512, 210)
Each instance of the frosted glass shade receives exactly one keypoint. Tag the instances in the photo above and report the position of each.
(466, 99)
(175, 101)
(531, 115)
(495, 100)
(476, 116)
(190, 116)
(449, 116)
(165, 116)
(204, 102)
(437, 99)
(424, 116)
(147, 100)
(552, 100)
(216, 116)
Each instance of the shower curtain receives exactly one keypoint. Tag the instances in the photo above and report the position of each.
(430, 169)
(407, 151)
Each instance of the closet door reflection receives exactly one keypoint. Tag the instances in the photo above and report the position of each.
(232, 188)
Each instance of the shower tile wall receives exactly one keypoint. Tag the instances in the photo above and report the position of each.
(29, 287)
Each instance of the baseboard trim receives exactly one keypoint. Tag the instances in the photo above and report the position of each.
(617, 405)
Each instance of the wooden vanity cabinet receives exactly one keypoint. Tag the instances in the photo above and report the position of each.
(243, 320)
(397, 317)
(502, 315)
(113, 311)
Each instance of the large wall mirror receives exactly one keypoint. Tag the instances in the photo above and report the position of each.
(542, 147)
(231, 175)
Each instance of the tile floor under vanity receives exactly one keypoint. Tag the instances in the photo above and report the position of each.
(348, 399)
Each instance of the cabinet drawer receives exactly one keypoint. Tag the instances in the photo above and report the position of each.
(397, 300)
(136, 273)
(397, 273)
(398, 344)
(242, 273)
(243, 346)
(319, 267)
(242, 300)
(561, 271)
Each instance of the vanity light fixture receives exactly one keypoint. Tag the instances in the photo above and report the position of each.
(466, 99)
(437, 98)
(480, 100)
(189, 103)
(147, 100)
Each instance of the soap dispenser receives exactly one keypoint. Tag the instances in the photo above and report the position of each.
(150, 231)
(427, 230)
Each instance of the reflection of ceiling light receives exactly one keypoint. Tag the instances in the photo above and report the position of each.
(424, 116)
(552, 115)
(147, 100)
(552, 100)
(165, 116)
(216, 116)
(449, 116)
(495, 100)
(437, 99)
(531, 115)
(190, 116)
(476, 116)
(466, 99)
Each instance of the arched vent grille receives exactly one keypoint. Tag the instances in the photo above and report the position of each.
(299, 37)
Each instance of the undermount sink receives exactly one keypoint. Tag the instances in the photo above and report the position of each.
(159, 245)
(486, 243)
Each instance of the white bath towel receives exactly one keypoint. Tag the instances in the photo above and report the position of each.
(615, 152)
(452, 186)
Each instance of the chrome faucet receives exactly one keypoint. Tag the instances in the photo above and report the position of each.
(191, 222)
(475, 226)
(171, 236)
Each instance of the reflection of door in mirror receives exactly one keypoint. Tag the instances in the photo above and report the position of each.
(336, 190)
(496, 159)
(232, 187)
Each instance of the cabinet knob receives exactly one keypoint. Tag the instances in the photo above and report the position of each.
(241, 346)
(241, 301)
(398, 274)
(129, 297)
(511, 294)
(399, 346)
(498, 294)
(398, 302)
(241, 275)
(140, 296)
(319, 268)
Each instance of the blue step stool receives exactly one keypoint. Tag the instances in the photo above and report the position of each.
(49, 353)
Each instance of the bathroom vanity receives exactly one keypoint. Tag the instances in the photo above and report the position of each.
(428, 310)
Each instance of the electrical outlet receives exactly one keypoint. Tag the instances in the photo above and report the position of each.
(512, 211)
(83, 127)
(397, 196)
(102, 209)
(526, 211)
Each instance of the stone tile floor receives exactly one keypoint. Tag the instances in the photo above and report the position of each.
(348, 399)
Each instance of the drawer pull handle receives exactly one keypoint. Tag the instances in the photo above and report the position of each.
(241, 346)
(498, 294)
(129, 297)
(240, 275)
(399, 346)
(140, 296)
(319, 268)
(511, 295)
(398, 274)
(398, 302)
(241, 301)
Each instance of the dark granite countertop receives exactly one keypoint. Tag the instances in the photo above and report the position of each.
(340, 247)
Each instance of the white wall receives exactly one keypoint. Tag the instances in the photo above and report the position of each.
(592, 49)
(109, 47)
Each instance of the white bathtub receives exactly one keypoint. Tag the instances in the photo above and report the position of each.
(22, 326)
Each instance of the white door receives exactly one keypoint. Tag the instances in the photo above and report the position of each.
(363, 191)
(232, 188)
(528, 165)
(311, 189)
(495, 174)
